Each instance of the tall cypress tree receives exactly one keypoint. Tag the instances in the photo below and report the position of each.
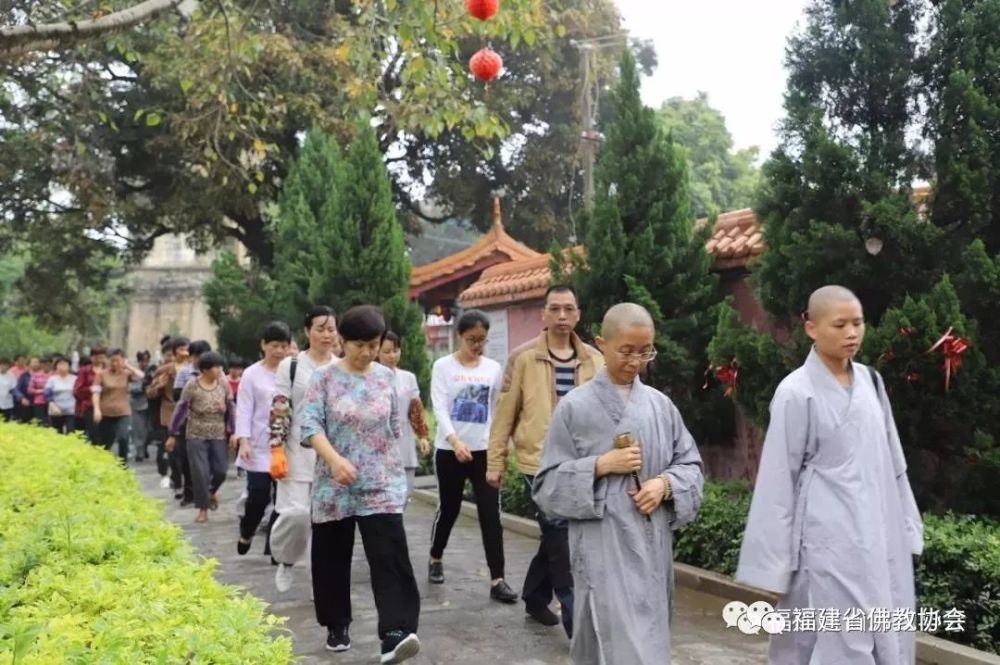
(964, 120)
(842, 174)
(308, 214)
(364, 259)
(641, 245)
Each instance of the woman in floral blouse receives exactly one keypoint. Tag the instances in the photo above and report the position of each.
(350, 418)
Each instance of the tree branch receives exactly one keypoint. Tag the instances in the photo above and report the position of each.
(21, 39)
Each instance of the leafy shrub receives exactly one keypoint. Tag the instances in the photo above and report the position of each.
(960, 568)
(713, 540)
(90, 571)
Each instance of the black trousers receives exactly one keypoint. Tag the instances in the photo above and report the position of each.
(158, 436)
(393, 584)
(63, 424)
(258, 496)
(40, 413)
(550, 572)
(115, 430)
(180, 468)
(451, 477)
(7, 415)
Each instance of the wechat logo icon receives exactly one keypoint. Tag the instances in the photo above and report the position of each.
(752, 619)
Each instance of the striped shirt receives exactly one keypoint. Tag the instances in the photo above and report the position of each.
(565, 374)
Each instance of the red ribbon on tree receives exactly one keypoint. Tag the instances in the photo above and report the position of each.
(953, 348)
(727, 375)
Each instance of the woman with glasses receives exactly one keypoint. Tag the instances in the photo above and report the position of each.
(465, 387)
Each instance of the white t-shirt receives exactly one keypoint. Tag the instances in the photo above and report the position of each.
(301, 459)
(407, 390)
(7, 384)
(464, 399)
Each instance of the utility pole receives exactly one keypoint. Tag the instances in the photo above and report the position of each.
(590, 95)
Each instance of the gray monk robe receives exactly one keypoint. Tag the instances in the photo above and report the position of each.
(622, 563)
(833, 522)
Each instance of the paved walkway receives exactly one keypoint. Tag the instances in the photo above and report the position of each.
(459, 625)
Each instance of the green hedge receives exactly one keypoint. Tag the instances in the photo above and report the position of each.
(960, 566)
(90, 571)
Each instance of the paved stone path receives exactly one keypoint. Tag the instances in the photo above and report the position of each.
(459, 625)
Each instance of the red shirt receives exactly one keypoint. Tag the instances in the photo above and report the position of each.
(81, 390)
(234, 386)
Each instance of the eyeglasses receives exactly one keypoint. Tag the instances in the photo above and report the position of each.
(645, 356)
(475, 341)
(555, 309)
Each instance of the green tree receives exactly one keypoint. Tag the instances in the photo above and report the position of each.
(721, 179)
(339, 244)
(964, 121)
(843, 171)
(840, 180)
(240, 301)
(188, 125)
(641, 247)
(364, 259)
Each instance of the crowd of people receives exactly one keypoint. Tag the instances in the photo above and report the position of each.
(329, 437)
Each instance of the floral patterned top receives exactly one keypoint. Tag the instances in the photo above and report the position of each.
(358, 413)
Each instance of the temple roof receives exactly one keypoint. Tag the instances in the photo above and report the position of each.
(495, 246)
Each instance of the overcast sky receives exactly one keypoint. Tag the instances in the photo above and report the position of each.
(731, 49)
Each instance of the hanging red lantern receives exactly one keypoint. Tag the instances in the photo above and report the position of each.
(486, 64)
(484, 10)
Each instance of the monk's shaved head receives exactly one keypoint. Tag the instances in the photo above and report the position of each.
(623, 316)
(824, 299)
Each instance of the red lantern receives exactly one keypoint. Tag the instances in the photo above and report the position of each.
(484, 10)
(486, 64)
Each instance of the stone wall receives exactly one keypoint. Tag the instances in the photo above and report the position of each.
(166, 298)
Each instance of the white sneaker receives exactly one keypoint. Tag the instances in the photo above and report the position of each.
(283, 578)
(165, 482)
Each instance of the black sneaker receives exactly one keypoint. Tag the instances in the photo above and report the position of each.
(502, 592)
(337, 639)
(242, 547)
(398, 646)
(435, 572)
(542, 615)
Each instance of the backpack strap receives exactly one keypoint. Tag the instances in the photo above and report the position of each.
(291, 371)
(875, 380)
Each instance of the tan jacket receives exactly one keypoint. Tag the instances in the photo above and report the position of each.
(527, 400)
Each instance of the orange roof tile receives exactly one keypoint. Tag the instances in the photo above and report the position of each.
(736, 239)
(496, 242)
(516, 281)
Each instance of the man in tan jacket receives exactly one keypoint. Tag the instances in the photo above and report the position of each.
(537, 374)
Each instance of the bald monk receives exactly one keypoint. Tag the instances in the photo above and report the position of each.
(622, 560)
(833, 524)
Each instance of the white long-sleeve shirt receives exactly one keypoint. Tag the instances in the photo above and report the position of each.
(301, 459)
(464, 399)
(253, 411)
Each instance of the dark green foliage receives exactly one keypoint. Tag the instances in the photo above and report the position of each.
(950, 436)
(964, 120)
(843, 176)
(642, 248)
(760, 360)
(713, 540)
(240, 301)
(960, 568)
(338, 243)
